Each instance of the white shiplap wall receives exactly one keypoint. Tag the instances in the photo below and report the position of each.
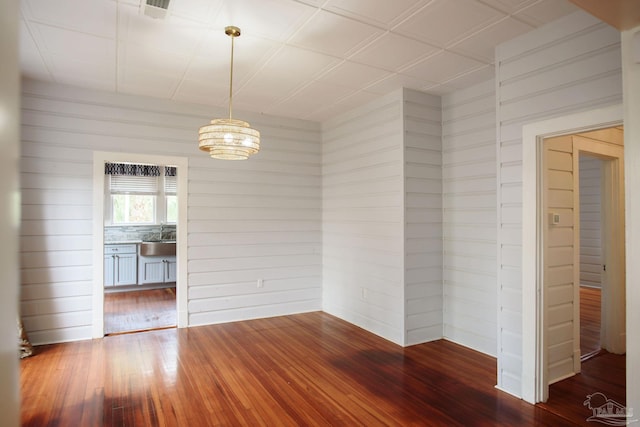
(363, 217)
(423, 216)
(469, 217)
(382, 217)
(257, 219)
(570, 65)
(558, 190)
(590, 248)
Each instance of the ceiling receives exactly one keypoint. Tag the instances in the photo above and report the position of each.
(308, 59)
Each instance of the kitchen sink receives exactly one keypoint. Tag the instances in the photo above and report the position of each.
(160, 248)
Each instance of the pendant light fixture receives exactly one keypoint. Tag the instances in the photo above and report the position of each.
(229, 139)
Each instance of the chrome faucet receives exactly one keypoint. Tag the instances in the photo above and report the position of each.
(161, 230)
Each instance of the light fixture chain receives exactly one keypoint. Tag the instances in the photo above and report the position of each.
(231, 81)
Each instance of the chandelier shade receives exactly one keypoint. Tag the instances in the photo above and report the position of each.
(229, 139)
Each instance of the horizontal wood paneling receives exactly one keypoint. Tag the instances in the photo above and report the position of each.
(469, 217)
(422, 217)
(259, 219)
(362, 181)
(590, 245)
(559, 256)
(541, 74)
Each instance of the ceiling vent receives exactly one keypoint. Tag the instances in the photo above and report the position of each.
(155, 8)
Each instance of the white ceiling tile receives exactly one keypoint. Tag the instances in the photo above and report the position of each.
(441, 89)
(144, 82)
(213, 57)
(288, 70)
(509, 6)
(274, 19)
(469, 79)
(206, 69)
(85, 47)
(392, 52)
(307, 55)
(334, 34)
(197, 10)
(310, 98)
(82, 73)
(91, 17)
(177, 35)
(353, 74)
(31, 60)
(314, 3)
(379, 12)
(546, 11)
(215, 93)
(396, 81)
(443, 22)
(482, 44)
(154, 60)
(442, 67)
(344, 105)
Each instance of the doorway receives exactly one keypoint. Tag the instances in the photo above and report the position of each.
(562, 236)
(590, 177)
(174, 268)
(140, 247)
(535, 377)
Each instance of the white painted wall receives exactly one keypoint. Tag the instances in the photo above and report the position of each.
(423, 216)
(590, 204)
(631, 78)
(559, 291)
(9, 213)
(469, 217)
(570, 65)
(257, 219)
(382, 216)
(363, 217)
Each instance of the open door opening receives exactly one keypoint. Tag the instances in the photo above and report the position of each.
(151, 257)
(591, 262)
(140, 220)
(577, 321)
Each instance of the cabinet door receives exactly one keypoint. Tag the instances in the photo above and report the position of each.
(108, 270)
(126, 270)
(171, 271)
(151, 270)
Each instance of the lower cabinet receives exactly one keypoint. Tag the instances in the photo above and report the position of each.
(156, 269)
(120, 265)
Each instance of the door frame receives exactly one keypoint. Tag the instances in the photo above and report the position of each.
(534, 386)
(182, 163)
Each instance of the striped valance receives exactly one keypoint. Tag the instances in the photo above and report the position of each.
(132, 169)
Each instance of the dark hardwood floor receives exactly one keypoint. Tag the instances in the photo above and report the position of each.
(139, 310)
(604, 373)
(590, 313)
(307, 369)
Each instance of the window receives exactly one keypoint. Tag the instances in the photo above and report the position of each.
(140, 194)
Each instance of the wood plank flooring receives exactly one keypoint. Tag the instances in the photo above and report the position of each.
(139, 310)
(605, 373)
(307, 369)
(590, 312)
